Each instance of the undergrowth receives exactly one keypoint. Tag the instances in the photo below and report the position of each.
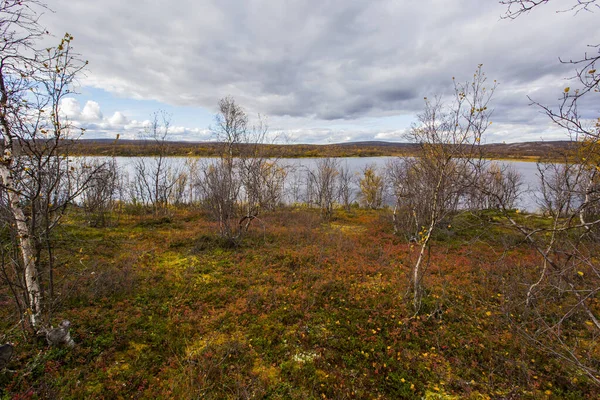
(163, 308)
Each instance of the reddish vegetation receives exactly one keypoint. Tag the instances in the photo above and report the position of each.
(302, 309)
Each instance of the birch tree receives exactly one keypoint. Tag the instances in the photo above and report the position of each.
(157, 178)
(448, 160)
(243, 180)
(321, 185)
(564, 288)
(346, 190)
(35, 173)
(371, 187)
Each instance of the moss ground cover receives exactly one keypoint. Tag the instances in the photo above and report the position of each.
(162, 308)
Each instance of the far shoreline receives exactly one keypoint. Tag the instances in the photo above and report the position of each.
(524, 151)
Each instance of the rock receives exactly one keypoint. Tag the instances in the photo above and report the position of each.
(6, 353)
(60, 336)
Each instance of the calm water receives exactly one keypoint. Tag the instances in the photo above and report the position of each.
(297, 173)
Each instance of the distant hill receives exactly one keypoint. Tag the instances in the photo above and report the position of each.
(533, 150)
(107, 147)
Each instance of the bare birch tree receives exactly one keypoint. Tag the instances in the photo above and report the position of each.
(262, 177)
(35, 170)
(499, 186)
(221, 183)
(346, 191)
(448, 161)
(321, 185)
(98, 199)
(564, 292)
(243, 181)
(156, 178)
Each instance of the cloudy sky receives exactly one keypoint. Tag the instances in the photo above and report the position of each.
(321, 71)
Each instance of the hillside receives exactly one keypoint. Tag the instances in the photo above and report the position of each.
(106, 147)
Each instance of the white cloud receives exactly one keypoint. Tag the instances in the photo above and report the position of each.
(70, 108)
(91, 111)
(118, 119)
(91, 118)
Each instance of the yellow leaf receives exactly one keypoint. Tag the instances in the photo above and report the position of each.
(567, 89)
(579, 273)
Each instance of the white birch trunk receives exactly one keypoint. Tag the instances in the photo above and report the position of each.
(425, 241)
(31, 282)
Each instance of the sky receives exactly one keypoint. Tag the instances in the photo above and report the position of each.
(318, 71)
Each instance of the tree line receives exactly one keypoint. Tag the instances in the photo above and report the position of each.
(531, 151)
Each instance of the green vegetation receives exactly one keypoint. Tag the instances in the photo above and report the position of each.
(163, 308)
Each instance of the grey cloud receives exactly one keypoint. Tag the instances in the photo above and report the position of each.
(321, 59)
(395, 95)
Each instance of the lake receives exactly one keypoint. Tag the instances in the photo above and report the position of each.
(297, 168)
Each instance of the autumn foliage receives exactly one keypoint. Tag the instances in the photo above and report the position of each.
(301, 309)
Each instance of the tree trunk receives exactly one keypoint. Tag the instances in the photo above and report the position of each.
(32, 286)
(425, 241)
(26, 247)
(417, 268)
